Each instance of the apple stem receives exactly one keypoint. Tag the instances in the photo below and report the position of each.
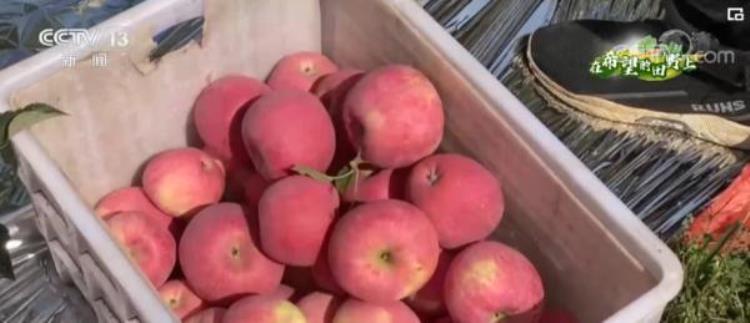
(498, 317)
(346, 177)
(386, 257)
(349, 175)
(312, 173)
(346, 174)
(354, 163)
(355, 181)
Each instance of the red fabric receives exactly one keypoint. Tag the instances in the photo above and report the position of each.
(729, 207)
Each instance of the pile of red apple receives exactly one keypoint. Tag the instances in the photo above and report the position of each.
(317, 197)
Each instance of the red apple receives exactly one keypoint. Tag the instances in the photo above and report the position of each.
(289, 128)
(332, 90)
(322, 275)
(253, 187)
(282, 292)
(244, 184)
(383, 251)
(428, 301)
(209, 315)
(294, 216)
(128, 199)
(218, 113)
(179, 298)
(384, 184)
(462, 198)
(299, 71)
(394, 116)
(146, 243)
(321, 272)
(489, 281)
(181, 181)
(356, 311)
(237, 174)
(263, 309)
(219, 257)
(319, 307)
(369, 188)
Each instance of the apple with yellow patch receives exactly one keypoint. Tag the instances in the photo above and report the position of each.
(300, 71)
(263, 309)
(428, 301)
(489, 282)
(357, 311)
(383, 251)
(180, 181)
(179, 298)
(146, 243)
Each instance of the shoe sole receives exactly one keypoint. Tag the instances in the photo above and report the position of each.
(707, 127)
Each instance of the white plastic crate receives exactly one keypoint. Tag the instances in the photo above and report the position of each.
(596, 258)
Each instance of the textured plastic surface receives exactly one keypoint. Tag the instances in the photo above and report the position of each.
(596, 258)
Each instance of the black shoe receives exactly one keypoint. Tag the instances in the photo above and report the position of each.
(708, 98)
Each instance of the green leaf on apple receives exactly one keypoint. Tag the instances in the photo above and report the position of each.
(318, 175)
(343, 182)
(351, 174)
(346, 177)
